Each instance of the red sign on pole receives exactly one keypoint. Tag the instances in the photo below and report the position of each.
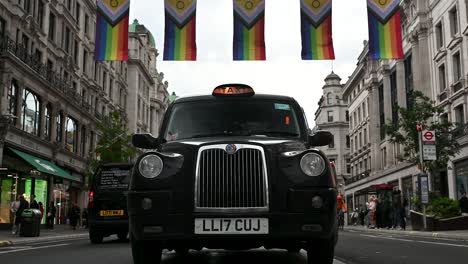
(419, 127)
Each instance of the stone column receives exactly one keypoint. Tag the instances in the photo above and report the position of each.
(374, 125)
(53, 124)
(78, 139)
(401, 85)
(387, 87)
(424, 82)
(19, 105)
(451, 180)
(64, 128)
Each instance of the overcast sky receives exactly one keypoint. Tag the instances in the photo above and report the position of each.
(282, 73)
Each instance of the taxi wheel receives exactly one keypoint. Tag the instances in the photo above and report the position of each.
(145, 252)
(95, 237)
(321, 252)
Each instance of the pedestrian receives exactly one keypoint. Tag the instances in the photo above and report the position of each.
(33, 204)
(50, 215)
(13, 209)
(23, 205)
(371, 215)
(463, 204)
(362, 214)
(74, 215)
(341, 210)
(84, 217)
(41, 208)
(396, 205)
(355, 216)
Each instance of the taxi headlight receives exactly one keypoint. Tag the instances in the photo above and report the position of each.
(150, 166)
(312, 164)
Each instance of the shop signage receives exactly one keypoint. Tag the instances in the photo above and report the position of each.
(424, 189)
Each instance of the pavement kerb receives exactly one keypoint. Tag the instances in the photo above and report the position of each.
(41, 239)
(412, 233)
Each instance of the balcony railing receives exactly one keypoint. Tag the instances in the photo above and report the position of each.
(54, 78)
(460, 131)
(358, 177)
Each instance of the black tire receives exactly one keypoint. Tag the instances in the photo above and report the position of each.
(321, 252)
(145, 252)
(95, 237)
(122, 235)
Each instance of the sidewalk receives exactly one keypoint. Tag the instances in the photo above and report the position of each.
(59, 232)
(455, 235)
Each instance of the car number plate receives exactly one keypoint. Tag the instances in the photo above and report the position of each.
(111, 212)
(231, 226)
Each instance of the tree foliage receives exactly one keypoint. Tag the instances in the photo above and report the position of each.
(114, 144)
(403, 131)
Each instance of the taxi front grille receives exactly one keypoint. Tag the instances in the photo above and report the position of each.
(231, 181)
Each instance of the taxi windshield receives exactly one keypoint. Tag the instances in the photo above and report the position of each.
(263, 118)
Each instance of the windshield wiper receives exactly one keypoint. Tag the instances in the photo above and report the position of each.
(274, 133)
(211, 135)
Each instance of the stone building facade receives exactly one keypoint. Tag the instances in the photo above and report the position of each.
(332, 115)
(436, 63)
(52, 94)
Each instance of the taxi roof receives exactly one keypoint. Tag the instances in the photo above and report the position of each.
(218, 98)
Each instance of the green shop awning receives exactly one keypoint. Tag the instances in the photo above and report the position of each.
(45, 166)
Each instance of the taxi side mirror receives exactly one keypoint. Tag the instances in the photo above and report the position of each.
(144, 141)
(320, 138)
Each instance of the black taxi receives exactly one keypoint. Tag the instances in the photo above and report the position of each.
(233, 170)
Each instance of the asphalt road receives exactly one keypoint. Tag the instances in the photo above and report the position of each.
(353, 248)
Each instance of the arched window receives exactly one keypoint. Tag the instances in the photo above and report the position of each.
(30, 116)
(58, 121)
(329, 98)
(71, 135)
(48, 122)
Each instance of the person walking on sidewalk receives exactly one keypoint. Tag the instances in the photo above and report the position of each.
(23, 205)
(41, 208)
(14, 208)
(74, 216)
(50, 215)
(33, 204)
(464, 204)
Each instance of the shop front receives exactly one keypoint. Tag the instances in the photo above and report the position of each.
(461, 173)
(26, 174)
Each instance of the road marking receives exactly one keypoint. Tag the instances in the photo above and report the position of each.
(32, 248)
(417, 241)
(55, 241)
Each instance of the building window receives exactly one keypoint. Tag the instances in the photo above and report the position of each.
(365, 136)
(51, 26)
(457, 72)
(351, 122)
(2, 27)
(439, 29)
(48, 122)
(459, 115)
(354, 119)
(83, 141)
(381, 112)
(78, 13)
(408, 80)
(351, 145)
(394, 97)
(104, 81)
(91, 141)
(69, 4)
(348, 143)
(85, 62)
(360, 139)
(58, 122)
(76, 51)
(27, 6)
(347, 116)
(66, 40)
(71, 135)
(348, 166)
(330, 116)
(365, 164)
(12, 97)
(355, 143)
(359, 115)
(453, 15)
(329, 99)
(364, 112)
(40, 13)
(86, 25)
(442, 78)
(31, 112)
(111, 89)
(332, 142)
(384, 157)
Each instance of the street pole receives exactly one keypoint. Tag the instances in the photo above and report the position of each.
(421, 161)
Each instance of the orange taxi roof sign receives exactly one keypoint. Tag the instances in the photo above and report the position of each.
(233, 89)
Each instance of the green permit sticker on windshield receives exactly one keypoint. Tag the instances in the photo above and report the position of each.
(282, 107)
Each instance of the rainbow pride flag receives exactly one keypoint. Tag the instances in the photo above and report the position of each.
(249, 30)
(316, 30)
(385, 38)
(180, 30)
(112, 30)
